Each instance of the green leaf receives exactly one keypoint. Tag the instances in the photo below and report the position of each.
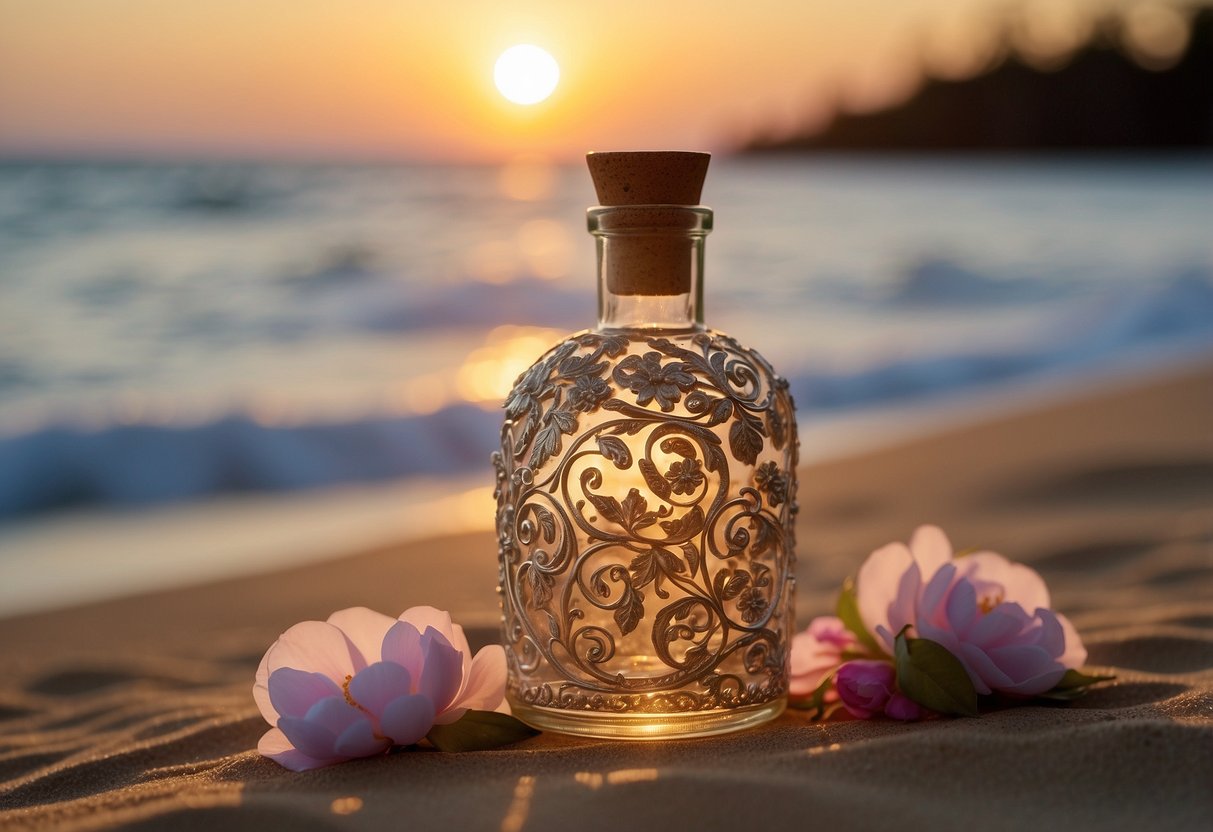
(1072, 685)
(479, 731)
(848, 611)
(816, 700)
(933, 677)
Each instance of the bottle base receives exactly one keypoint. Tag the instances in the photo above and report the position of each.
(647, 726)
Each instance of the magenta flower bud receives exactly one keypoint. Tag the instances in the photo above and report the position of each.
(903, 708)
(864, 686)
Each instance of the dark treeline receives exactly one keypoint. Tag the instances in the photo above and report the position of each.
(1101, 100)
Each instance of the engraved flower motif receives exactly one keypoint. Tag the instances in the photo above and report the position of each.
(774, 482)
(530, 387)
(649, 379)
(684, 476)
(587, 392)
(751, 603)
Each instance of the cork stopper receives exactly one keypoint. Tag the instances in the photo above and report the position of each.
(648, 177)
(650, 251)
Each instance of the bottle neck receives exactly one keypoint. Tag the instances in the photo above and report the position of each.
(650, 265)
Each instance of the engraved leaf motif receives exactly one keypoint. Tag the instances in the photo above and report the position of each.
(692, 554)
(651, 565)
(547, 443)
(616, 450)
(578, 365)
(563, 419)
(696, 654)
(721, 412)
(653, 479)
(553, 626)
(608, 507)
(635, 513)
(687, 525)
(745, 440)
(630, 610)
(541, 587)
(547, 522)
(766, 535)
(630, 427)
(776, 428)
(715, 460)
(680, 446)
(729, 586)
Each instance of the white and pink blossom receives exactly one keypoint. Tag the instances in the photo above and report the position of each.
(991, 614)
(361, 682)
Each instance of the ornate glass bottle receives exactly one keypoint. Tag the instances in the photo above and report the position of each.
(646, 492)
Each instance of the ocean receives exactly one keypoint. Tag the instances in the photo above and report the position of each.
(186, 332)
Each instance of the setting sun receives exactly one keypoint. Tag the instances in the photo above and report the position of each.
(526, 74)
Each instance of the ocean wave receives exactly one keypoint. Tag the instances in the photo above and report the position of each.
(943, 282)
(139, 465)
(134, 465)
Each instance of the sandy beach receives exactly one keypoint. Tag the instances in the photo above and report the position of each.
(137, 713)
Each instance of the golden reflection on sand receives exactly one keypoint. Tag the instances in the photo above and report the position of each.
(520, 807)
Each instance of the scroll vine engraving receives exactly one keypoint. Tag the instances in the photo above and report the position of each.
(645, 505)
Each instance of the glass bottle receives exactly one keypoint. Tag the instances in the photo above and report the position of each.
(646, 492)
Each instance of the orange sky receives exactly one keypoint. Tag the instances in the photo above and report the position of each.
(399, 78)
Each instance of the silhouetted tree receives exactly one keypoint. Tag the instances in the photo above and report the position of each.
(1101, 100)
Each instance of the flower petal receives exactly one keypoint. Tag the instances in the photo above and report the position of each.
(423, 617)
(333, 714)
(451, 714)
(877, 586)
(294, 692)
(359, 740)
(961, 607)
(311, 738)
(931, 549)
(485, 686)
(999, 627)
(407, 719)
(1075, 655)
(902, 707)
(377, 685)
(1020, 584)
(314, 646)
(1040, 683)
(1030, 669)
(261, 690)
(934, 594)
(1051, 637)
(984, 674)
(442, 673)
(365, 629)
(402, 645)
(278, 748)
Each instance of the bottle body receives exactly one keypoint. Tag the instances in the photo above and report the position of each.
(645, 511)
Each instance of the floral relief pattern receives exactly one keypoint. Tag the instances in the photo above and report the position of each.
(625, 525)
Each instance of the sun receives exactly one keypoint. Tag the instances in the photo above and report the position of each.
(526, 74)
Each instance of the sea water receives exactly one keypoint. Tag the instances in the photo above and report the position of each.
(177, 332)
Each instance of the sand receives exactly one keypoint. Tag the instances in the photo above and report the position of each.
(137, 713)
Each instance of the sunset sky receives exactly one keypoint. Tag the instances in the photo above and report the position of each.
(414, 80)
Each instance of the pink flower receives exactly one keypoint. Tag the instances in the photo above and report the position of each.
(816, 652)
(904, 708)
(867, 687)
(361, 682)
(991, 614)
(864, 686)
